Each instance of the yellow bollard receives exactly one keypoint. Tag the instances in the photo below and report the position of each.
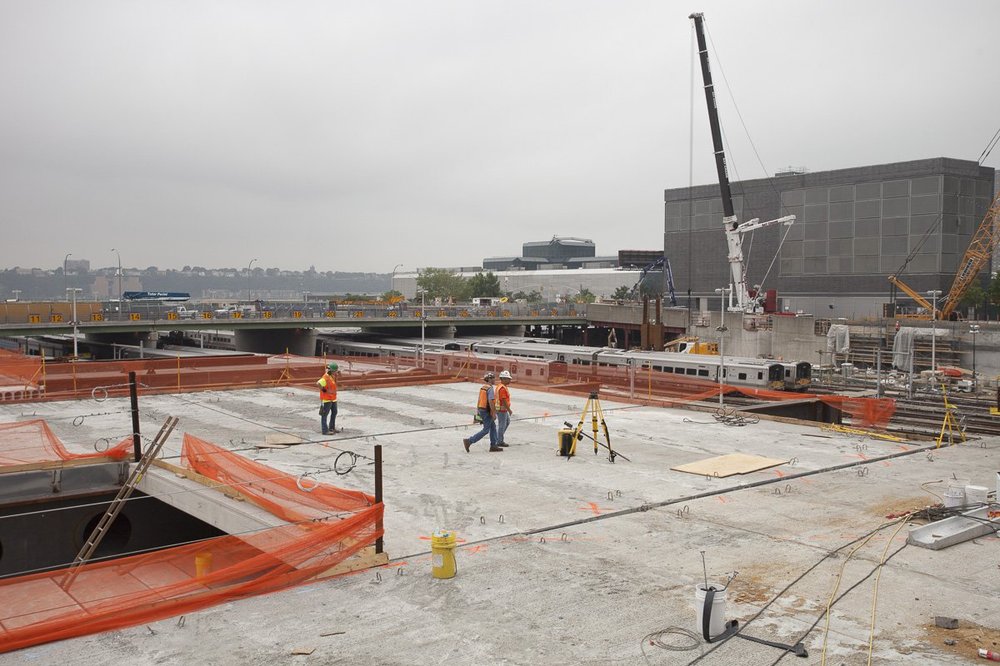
(443, 563)
(202, 563)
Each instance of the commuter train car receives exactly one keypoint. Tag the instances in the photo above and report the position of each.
(369, 349)
(798, 375)
(760, 373)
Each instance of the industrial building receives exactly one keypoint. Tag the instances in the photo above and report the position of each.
(560, 252)
(854, 228)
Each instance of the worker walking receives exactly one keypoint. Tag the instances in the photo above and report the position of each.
(486, 409)
(504, 412)
(328, 398)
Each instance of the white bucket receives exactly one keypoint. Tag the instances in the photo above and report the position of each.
(976, 494)
(954, 496)
(717, 623)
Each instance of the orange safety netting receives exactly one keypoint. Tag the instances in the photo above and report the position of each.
(19, 373)
(34, 442)
(286, 497)
(151, 586)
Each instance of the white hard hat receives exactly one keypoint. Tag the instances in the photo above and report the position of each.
(505, 374)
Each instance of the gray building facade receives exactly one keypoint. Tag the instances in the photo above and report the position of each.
(854, 227)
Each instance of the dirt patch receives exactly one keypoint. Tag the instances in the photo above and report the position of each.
(897, 506)
(969, 637)
(749, 589)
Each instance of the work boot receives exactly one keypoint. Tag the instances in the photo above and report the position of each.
(496, 449)
(466, 443)
(503, 444)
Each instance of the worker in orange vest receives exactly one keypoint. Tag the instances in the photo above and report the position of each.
(486, 410)
(504, 412)
(328, 398)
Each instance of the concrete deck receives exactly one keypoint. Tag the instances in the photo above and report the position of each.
(534, 584)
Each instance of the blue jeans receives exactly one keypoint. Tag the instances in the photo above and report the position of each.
(489, 426)
(503, 420)
(331, 409)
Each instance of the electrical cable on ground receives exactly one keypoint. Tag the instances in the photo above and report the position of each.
(655, 639)
(780, 594)
(871, 635)
(846, 592)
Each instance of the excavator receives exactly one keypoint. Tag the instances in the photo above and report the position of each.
(660, 262)
(976, 256)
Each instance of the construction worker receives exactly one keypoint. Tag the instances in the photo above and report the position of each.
(328, 398)
(486, 409)
(504, 412)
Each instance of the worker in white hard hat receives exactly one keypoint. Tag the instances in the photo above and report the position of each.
(486, 410)
(328, 398)
(504, 412)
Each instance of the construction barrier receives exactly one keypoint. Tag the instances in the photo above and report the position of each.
(328, 525)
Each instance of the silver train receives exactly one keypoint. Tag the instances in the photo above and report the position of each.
(758, 373)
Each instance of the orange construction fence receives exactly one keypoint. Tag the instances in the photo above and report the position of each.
(29, 442)
(328, 525)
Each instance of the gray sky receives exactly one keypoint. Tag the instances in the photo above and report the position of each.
(361, 135)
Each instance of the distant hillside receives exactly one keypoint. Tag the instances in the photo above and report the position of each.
(209, 283)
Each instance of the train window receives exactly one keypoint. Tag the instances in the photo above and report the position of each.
(742, 375)
(527, 373)
(703, 373)
(692, 371)
(760, 375)
(788, 372)
(658, 368)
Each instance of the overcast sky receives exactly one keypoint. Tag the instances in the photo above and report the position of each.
(362, 135)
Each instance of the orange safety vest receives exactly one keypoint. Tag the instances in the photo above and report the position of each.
(328, 389)
(503, 398)
(484, 397)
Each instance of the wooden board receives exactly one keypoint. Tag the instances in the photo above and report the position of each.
(729, 464)
(281, 438)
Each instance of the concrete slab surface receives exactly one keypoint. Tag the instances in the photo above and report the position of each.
(571, 562)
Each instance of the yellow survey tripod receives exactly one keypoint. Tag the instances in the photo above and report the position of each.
(569, 438)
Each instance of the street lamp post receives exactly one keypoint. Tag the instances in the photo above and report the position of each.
(722, 340)
(119, 281)
(974, 330)
(65, 262)
(75, 331)
(392, 278)
(249, 297)
(934, 293)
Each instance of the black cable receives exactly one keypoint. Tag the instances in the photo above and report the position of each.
(793, 583)
(846, 592)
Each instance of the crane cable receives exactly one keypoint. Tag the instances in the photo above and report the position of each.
(989, 147)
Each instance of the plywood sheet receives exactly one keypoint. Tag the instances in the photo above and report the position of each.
(278, 438)
(729, 464)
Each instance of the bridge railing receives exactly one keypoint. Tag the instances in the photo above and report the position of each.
(46, 314)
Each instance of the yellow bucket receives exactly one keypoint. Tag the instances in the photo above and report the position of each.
(202, 563)
(443, 554)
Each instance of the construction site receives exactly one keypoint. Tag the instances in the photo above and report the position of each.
(676, 486)
(249, 537)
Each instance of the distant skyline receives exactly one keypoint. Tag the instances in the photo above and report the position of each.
(360, 136)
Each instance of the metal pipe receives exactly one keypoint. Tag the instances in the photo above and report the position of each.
(378, 493)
